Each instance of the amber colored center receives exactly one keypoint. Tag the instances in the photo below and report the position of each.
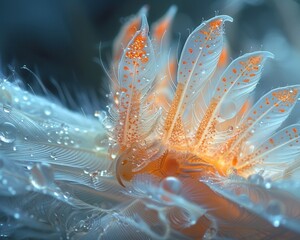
(171, 163)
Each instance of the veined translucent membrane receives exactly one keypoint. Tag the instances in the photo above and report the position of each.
(182, 153)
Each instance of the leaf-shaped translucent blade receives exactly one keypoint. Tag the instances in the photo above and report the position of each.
(161, 29)
(127, 32)
(200, 55)
(198, 61)
(278, 152)
(268, 114)
(234, 87)
(240, 78)
(137, 67)
(137, 70)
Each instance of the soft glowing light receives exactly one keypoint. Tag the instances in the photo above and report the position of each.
(181, 153)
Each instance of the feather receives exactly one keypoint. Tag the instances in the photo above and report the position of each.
(161, 31)
(136, 117)
(167, 63)
(126, 33)
(264, 204)
(39, 108)
(147, 170)
(278, 153)
(14, 179)
(268, 113)
(202, 102)
(25, 140)
(136, 74)
(233, 88)
(197, 63)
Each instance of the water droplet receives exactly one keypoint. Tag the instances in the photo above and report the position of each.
(250, 121)
(86, 170)
(41, 175)
(8, 132)
(16, 215)
(250, 149)
(53, 155)
(97, 114)
(67, 195)
(6, 108)
(256, 179)
(275, 208)
(171, 185)
(48, 111)
(276, 222)
(12, 190)
(65, 128)
(105, 173)
(268, 183)
(230, 129)
(114, 151)
(100, 140)
(210, 233)
(228, 110)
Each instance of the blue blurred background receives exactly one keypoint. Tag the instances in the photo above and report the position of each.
(59, 39)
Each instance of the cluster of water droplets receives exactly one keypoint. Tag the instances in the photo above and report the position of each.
(274, 210)
(12, 95)
(96, 176)
(78, 225)
(59, 134)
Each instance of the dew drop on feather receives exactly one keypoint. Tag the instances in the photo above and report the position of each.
(48, 111)
(171, 185)
(256, 179)
(275, 211)
(210, 233)
(17, 215)
(275, 208)
(228, 110)
(8, 132)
